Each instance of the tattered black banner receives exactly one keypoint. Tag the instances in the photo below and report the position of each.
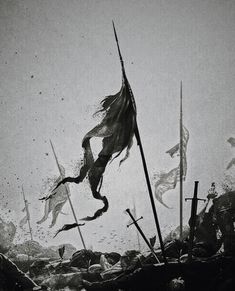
(68, 227)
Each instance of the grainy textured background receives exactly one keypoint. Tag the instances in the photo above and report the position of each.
(58, 59)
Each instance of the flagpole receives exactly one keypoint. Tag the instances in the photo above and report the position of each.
(137, 135)
(139, 142)
(67, 192)
(27, 213)
(181, 164)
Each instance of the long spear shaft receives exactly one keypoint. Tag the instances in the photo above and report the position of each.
(27, 213)
(181, 164)
(137, 135)
(67, 192)
(150, 193)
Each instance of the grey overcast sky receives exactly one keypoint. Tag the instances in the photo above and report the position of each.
(59, 59)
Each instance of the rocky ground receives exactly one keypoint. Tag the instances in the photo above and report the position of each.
(94, 271)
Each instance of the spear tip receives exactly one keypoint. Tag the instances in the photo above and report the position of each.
(119, 51)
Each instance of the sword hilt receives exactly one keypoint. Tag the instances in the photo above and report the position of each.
(198, 199)
(134, 221)
(128, 210)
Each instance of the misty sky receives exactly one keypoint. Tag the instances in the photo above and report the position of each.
(59, 59)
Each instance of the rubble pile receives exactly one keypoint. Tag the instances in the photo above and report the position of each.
(210, 267)
(83, 265)
(133, 272)
(35, 250)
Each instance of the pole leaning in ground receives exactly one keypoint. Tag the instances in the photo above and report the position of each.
(27, 213)
(181, 164)
(67, 192)
(139, 142)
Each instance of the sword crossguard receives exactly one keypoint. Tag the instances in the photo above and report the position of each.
(134, 221)
(198, 199)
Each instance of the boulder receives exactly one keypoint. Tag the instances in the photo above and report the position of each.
(7, 231)
(96, 268)
(31, 248)
(34, 249)
(112, 257)
(130, 260)
(84, 258)
(22, 257)
(62, 281)
(39, 267)
(175, 234)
